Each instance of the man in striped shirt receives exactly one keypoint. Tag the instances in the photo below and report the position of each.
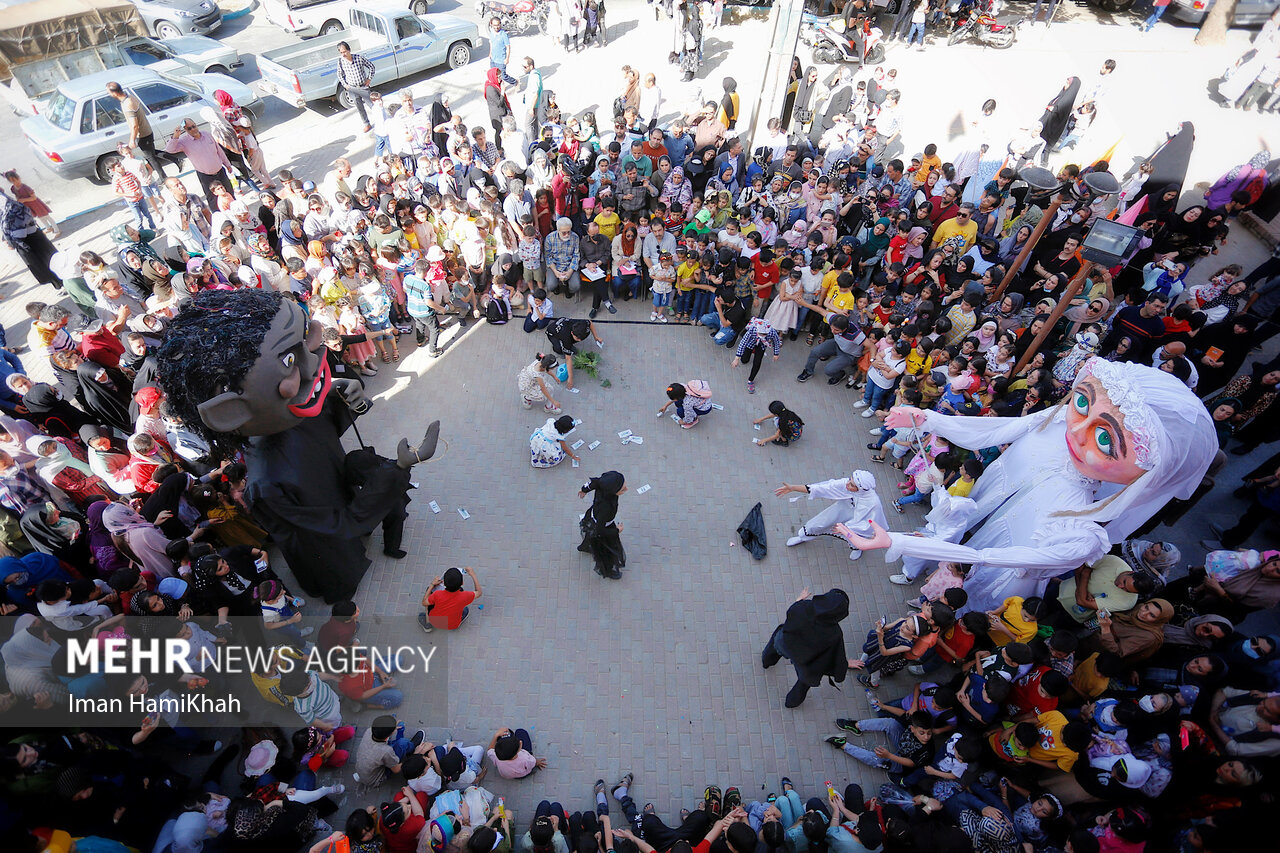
(129, 188)
(355, 73)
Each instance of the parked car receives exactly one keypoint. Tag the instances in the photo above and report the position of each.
(1249, 13)
(307, 18)
(183, 56)
(395, 40)
(172, 18)
(80, 127)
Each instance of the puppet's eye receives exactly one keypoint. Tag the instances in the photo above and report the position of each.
(288, 360)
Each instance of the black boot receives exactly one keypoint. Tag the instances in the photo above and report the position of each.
(795, 696)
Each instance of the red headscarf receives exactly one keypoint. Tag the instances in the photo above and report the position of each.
(493, 80)
(228, 105)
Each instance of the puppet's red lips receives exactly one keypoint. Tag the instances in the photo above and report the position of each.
(311, 406)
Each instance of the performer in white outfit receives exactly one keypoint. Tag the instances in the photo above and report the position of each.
(1075, 479)
(947, 521)
(856, 505)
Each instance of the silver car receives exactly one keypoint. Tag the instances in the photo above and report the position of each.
(168, 19)
(78, 130)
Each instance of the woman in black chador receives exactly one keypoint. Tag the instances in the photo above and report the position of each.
(600, 532)
(810, 637)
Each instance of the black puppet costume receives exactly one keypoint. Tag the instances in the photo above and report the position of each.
(316, 499)
(600, 536)
(811, 638)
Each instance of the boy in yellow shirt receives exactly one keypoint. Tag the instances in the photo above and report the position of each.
(686, 277)
(608, 218)
(969, 473)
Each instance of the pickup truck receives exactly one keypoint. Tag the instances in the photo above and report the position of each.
(307, 18)
(395, 40)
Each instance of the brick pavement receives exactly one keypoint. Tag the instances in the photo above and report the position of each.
(658, 673)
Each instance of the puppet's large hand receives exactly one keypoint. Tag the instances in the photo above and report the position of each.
(352, 393)
(879, 537)
(407, 457)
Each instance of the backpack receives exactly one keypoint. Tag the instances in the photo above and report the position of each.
(698, 388)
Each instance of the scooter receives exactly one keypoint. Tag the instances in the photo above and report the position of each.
(517, 17)
(982, 26)
(809, 22)
(831, 45)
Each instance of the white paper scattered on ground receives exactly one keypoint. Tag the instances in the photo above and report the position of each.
(624, 433)
(796, 498)
(643, 489)
(659, 413)
(756, 426)
(578, 444)
(717, 407)
(463, 512)
(435, 507)
(577, 421)
(593, 445)
(755, 441)
(575, 390)
(575, 463)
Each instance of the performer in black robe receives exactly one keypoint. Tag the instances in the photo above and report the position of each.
(1053, 123)
(811, 639)
(243, 369)
(600, 532)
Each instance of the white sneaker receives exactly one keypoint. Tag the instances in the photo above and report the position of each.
(866, 413)
(653, 316)
(874, 430)
(860, 404)
(900, 579)
(526, 402)
(854, 554)
(662, 318)
(796, 540)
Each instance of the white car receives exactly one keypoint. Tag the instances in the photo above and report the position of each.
(306, 18)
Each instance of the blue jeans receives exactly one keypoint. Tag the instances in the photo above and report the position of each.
(1156, 13)
(892, 729)
(885, 435)
(141, 212)
(915, 497)
(661, 300)
(531, 324)
(791, 807)
(876, 397)
(626, 283)
(916, 30)
(381, 145)
(723, 335)
(684, 302)
(387, 699)
(702, 302)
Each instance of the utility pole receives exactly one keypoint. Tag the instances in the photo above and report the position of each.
(784, 21)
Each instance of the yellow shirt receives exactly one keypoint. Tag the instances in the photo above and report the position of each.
(927, 165)
(686, 274)
(950, 228)
(829, 283)
(1022, 630)
(961, 489)
(608, 224)
(845, 301)
(1049, 746)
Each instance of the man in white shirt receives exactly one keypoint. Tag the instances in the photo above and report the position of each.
(1175, 350)
(56, 608)
(336, 180)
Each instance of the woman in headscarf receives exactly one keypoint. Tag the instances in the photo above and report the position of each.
(1233, 338)
(13, 439)
(1081, 316)
(229, 142)
(130, 237)
(600, 531)
(496, 102)
(23, 575)
(243, 130)
(253, 828)
(806, 94)
(130, 269)
(1013, 244)
(1226, 303)
(103, 391)
(441, 118)
(1054, 121)
(690, 44)
(1007, 312)
(795, 75)
(102, 546)
(137, 537)
(1135, 635)
(108, 458)
(28, 661)
(52, 413)
(676, 191)
(1153, 559)
(63, 470)
(205, 275)
(540, 171)
(1199, 633)
(875, 245)
(838, 100)
(58, 533)
(267, 263)
(810, 637)
(1248, 177)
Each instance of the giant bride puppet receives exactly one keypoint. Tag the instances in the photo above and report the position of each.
(1075, 479)
(247, 370)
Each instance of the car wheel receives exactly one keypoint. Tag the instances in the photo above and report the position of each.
(1116, 5)
(217, 69)
(419, 7)
(346, 100)
(167, 30)
(459, 54)
(330, 27)
(103, 167)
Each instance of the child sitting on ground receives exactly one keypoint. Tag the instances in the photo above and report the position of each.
(692, 400)
(788, 423)
(445, 601)
(1015, 620)
(281, 612)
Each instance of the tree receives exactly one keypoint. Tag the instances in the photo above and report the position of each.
(1214, 29)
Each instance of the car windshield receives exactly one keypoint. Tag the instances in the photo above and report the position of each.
(60, 110)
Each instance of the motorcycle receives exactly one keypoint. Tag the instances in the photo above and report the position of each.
(831, 45)
(982, 25)
(517, 17)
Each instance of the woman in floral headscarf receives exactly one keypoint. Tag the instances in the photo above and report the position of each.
(1248, 177)
(244, 132)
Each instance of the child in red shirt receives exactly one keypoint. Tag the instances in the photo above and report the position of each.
(446, 601)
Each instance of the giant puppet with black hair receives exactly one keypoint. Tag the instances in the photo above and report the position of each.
(246, 369)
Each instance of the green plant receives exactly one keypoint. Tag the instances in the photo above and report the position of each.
(587, 362)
